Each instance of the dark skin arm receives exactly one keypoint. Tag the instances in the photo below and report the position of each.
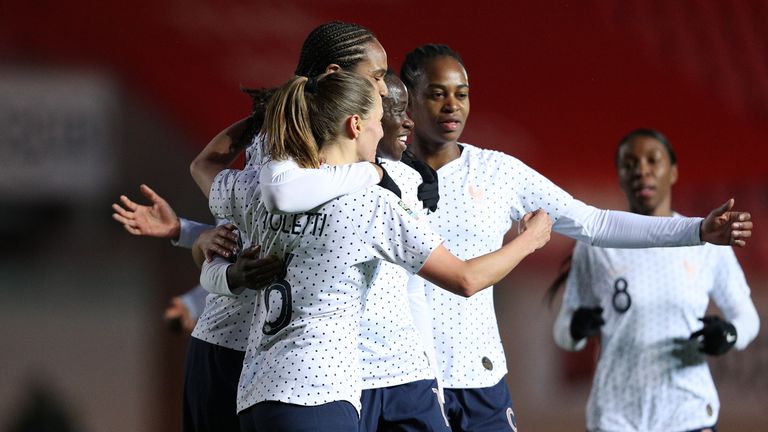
(218, 155)
(251, 271)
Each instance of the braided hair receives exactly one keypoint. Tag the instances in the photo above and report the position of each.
(335, 42)
(413, 68)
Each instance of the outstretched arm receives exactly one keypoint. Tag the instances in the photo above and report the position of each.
(466, 278)
(618, 229)
(157, 220)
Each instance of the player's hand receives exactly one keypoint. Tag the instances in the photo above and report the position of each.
(253, 272)
(586, 322)
(716, 337)
(157, 220)
(221, 240)
(537, 227)
(725, 227)
(177, 316)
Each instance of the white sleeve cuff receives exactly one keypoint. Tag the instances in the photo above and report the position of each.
(213, 277)
(188, 232)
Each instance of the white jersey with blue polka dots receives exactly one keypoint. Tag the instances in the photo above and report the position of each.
(650, 375)
(226, 320)
(481, 194)
(392, 351)
(303, 346)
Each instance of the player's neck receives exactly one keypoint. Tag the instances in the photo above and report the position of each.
(435, 154)
(339, 152)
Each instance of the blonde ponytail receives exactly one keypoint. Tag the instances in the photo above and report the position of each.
(306, 113)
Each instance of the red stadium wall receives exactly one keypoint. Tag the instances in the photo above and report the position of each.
(557, 81)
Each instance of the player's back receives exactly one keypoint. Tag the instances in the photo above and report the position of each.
(307, 323)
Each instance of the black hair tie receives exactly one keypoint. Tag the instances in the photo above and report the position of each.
(311, 85)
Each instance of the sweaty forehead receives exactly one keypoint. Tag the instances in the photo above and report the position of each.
(397, 92)
(445, 71)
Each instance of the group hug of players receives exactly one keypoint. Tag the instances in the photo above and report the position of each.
(350, 282)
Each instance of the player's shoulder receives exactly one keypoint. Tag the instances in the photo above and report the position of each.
(369, 195)
(488, 156)
(249, 174)
(370, 200)
(399, 168)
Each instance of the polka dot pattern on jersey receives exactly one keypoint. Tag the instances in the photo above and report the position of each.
(481, 194)
(391, 349)
(226, 321)
(650, 375)
(309, 355)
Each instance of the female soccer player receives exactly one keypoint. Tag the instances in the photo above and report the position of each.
(400, 390)
(648, 307)
(397, 359)
(481, 193)
(217, 347)
(301, 368)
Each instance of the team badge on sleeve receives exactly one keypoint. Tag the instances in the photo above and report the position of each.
(407, 209)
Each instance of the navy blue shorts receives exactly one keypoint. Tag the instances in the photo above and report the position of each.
(271, 416)
(412, 406)
(210, 387)
(486, 409)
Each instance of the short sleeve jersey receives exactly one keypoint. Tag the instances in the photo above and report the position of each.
(481, 194)
(392, 351)
(303, 346)
(650, 375)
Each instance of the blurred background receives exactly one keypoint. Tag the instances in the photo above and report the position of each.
(97, 97)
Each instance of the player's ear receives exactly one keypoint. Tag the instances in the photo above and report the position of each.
(353, 126)
(333, 67)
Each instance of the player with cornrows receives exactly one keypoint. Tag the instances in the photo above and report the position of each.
(482, 193)
(301, 368)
